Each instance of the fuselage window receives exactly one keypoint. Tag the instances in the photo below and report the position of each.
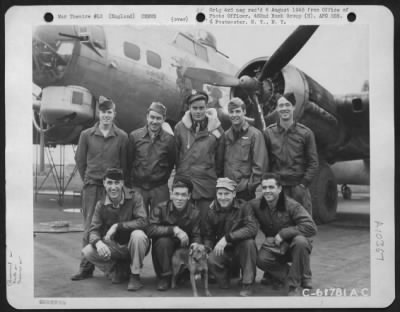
(132, 51)
(153, 59)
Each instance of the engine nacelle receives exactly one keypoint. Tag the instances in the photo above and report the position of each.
(315, 106)
(354, 108)
(70, 105)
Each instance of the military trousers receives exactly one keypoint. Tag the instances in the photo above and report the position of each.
(135, 251)
(276, 265)
(91, 194)
(162, 251)
(242, 254)
(152, 197)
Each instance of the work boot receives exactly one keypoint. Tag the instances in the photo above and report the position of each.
(82, 275)
(247, 290)
(277, 284)
(117, 277)
(134, 282)
(164, 283)
(267, 279)
(294, 291)
(307, 283)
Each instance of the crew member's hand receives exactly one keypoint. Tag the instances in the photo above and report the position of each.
(110, 233)
(302, 185)
(176, 229)
(278, 239)
(219, 248)
(103, 250)
(182, 236)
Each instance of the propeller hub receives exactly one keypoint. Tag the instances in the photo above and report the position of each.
(249, 83)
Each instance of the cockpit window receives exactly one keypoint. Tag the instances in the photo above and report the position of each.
(189, 44)
(184, 43)
(132, 51)
(201, 51)
(153, 59)
(98, 38)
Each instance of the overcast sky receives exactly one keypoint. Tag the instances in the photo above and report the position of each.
(335, 56)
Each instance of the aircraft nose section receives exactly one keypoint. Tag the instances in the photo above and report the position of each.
(51, 34)
(51, 53)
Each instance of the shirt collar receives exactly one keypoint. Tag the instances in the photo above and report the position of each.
(147, 132)
(96, 130)
(186, 211)
(282, 129)
(280, 204)
(218, 208)
(108, 202)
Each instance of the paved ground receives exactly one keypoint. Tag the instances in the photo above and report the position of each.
(340, 257)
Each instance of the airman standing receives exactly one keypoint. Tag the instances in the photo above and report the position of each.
(200, 150)
(101, 147)
(245, 154)
(151, 154)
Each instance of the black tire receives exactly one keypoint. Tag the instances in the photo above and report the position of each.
(324, 195)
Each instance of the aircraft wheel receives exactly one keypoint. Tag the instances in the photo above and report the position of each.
(324, 195)
(346, 191)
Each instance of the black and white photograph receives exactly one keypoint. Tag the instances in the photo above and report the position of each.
(238, 153)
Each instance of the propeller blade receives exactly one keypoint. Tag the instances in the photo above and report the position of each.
(287, 50)
(211, 77)
(259, 116)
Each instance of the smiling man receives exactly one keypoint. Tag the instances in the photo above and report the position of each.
(246, 157)
(230, 232)
(100, 147)
(173, 224)
(151, 154)
(116, 232)
(288, 229)
(292, 152)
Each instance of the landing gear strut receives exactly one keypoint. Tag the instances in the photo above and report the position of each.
(57, 172)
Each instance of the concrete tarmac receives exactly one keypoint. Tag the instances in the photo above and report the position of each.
(340, 256)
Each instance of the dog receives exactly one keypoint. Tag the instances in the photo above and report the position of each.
(195, 260)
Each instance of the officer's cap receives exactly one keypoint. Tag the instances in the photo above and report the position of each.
(195, 96)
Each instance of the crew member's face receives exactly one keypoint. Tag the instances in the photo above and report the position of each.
(237, 115)
(285, 109)
(180, 197)
(270, 190)
(113, 188)
(154, 120)
(198, 110)
(225, 197)
(106, 117)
